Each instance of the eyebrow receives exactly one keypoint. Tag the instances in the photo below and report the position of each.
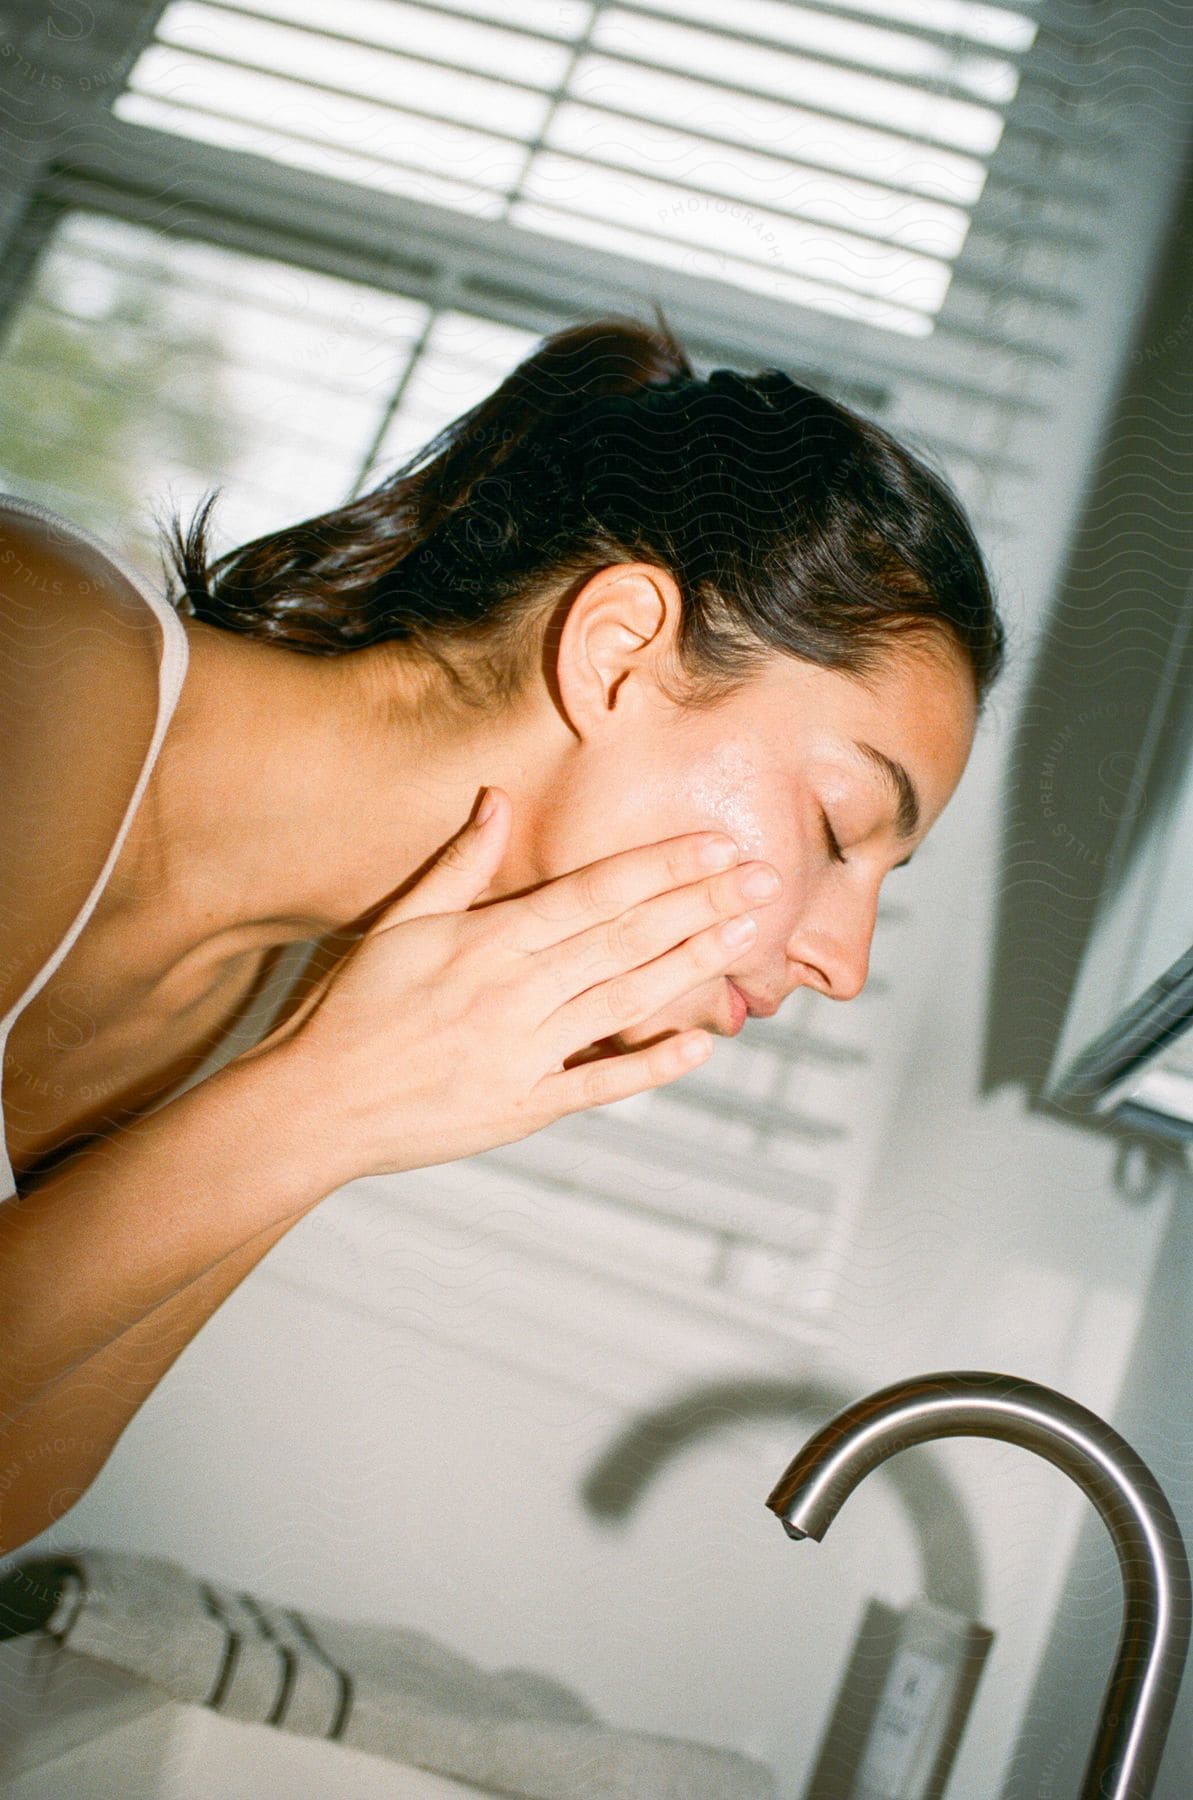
(907, 815)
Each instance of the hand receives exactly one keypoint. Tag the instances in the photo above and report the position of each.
(446, 1031)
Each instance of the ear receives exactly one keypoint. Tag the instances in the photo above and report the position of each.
(619, 627)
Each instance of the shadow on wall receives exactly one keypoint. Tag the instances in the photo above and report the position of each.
(949, 1559)
(1079, 747)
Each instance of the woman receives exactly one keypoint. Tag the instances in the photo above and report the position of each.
(712, 656)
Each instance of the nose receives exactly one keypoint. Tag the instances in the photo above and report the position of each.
(834, 944)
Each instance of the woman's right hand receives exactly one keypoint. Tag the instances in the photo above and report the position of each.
(445, 1031)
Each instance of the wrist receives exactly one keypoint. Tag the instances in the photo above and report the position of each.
(276, 1099)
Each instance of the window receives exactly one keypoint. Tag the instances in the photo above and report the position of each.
(828, 157)
(881, 195)
(158, 364)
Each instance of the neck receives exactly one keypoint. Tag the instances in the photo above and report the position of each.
(296, 794)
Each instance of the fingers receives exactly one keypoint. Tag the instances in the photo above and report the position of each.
(647, 931)
(641, 992)
(463, 869)
(618, 1077)
(602, 890)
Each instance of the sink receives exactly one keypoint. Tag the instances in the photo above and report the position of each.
(72, 1725)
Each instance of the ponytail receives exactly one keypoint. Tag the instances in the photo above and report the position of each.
(787, 521)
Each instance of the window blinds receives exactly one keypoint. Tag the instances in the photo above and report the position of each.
(828, 156)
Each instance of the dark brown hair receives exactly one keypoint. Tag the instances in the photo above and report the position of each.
(788, 522)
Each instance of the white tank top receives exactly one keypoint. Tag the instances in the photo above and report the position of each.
(171, 672)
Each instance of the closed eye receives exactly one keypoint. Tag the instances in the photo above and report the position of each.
(834, 848)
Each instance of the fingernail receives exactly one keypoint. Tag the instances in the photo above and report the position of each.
(738, 931)
(760, 884)
(718, 853)
(487, 809)
(695, 1049)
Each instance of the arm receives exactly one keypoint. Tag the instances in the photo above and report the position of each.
(110, 1266)
(111, 1262)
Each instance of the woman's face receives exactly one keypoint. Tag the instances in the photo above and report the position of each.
(779, 766)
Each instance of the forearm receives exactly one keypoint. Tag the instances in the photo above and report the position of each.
(53, 1452)
(127, 1225)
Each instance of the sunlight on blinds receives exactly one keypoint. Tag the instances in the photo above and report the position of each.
(825, 155)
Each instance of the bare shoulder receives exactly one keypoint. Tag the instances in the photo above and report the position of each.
(79, 658)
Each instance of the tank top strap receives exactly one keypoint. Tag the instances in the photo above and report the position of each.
(171, 673)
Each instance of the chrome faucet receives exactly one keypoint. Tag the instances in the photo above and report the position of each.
(1125, 1758)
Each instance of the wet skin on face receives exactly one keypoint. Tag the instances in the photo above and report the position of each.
(832, 780)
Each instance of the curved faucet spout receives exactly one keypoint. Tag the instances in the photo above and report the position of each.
(1137, 1710)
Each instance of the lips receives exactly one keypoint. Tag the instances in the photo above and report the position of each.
(739, 1007)
(755, 1005)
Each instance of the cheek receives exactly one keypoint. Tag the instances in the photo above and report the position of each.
(677, 787)
(662, 795)
(724, 789)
